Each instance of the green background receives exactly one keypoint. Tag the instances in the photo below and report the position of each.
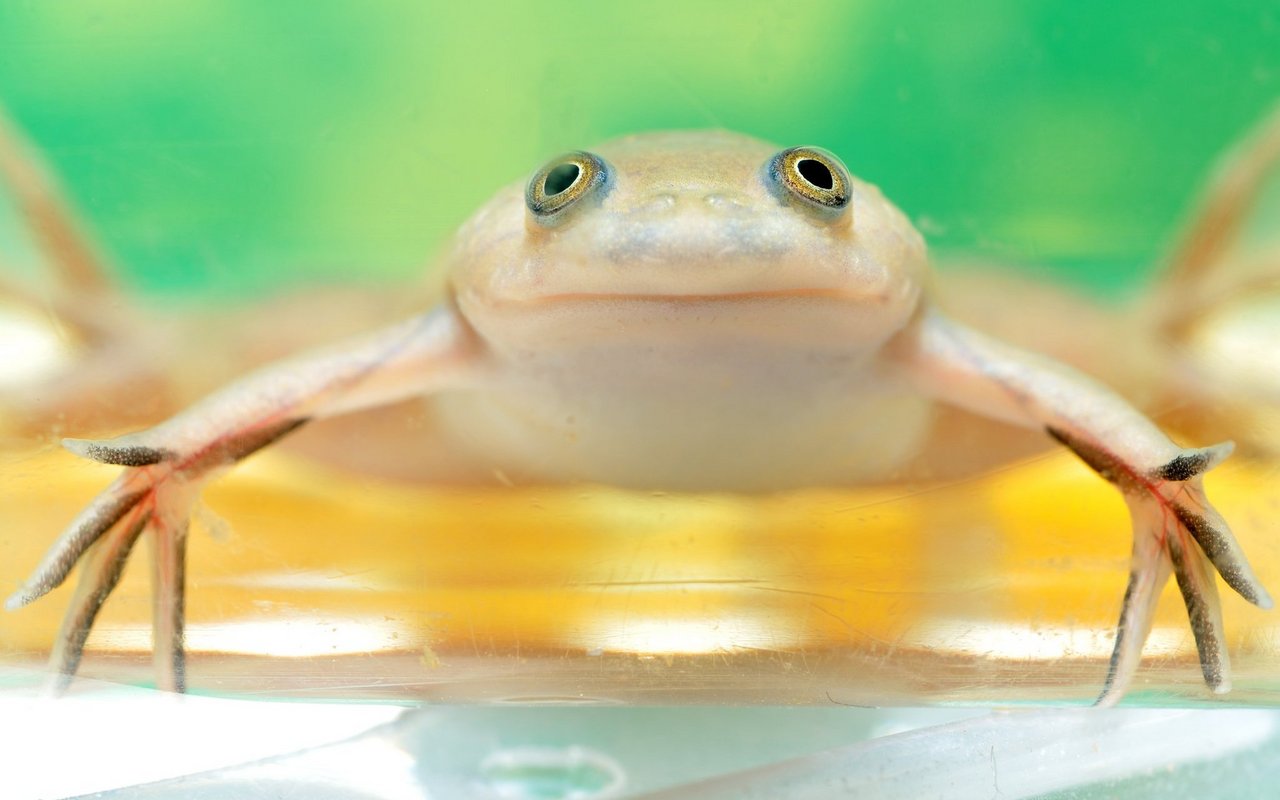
(223, 148)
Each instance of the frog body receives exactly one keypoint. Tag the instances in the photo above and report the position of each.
(675, 311)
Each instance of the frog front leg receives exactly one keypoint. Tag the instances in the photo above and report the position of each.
(1229, 197)
(1174, 525)
(71, 255)
(166, 466)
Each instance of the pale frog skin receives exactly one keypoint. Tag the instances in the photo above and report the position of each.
(683, 311)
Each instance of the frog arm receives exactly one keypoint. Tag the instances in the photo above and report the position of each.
(1174, 525)
(1228, 197)
(70, 253)
(165, 466)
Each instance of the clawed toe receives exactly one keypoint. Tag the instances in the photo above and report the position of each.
(100, 516)
(1194, 575)
(101, 571)
(1148, 573)
(124, 454)
(1192, 462)
(1198, 518)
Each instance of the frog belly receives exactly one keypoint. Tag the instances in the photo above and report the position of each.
(718, 428)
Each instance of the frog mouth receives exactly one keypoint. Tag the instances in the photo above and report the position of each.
(804, 316)
(816, 293)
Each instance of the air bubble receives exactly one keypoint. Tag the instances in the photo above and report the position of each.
(550, 773)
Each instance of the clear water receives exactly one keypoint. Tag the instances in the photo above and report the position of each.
(224, 149)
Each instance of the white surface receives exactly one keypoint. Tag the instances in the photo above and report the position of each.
(104, 736)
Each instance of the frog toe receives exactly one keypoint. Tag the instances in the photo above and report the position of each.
(1194, 574)
(1198, 518)
(100, 572)
(100, 516)
(123, 451)
(1148, 572)
(1192, 462)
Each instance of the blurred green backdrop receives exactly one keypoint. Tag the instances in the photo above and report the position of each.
(224, 148)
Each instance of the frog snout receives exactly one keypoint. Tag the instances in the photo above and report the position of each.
(715, 203)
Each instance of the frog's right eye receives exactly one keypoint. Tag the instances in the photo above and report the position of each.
(562, 183)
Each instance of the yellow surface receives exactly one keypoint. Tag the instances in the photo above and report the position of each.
(1000, 588)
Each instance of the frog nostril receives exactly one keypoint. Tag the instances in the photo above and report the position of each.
(560, 179)
(816, 173)
(726, 204)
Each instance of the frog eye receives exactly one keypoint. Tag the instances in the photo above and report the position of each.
(562, 182)
(811, 177)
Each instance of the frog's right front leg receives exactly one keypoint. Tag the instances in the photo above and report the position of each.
(1175, 527)
(166, 466)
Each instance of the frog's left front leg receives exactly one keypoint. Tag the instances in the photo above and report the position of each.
(166, 466)
(1174, 524)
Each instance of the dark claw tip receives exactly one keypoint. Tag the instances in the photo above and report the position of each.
(120, 455)
(1182, 468)
(1190, 463)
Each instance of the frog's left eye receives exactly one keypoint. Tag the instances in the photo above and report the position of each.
(811, 177)
(562, 182)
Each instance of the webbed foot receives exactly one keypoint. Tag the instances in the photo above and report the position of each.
(151, 495)
(1175, 529)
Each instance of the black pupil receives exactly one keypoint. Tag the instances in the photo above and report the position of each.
(816, 173)
(561, 177)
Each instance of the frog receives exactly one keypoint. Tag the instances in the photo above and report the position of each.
(678, 311)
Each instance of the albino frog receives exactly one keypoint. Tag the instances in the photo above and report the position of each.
(680, 311)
